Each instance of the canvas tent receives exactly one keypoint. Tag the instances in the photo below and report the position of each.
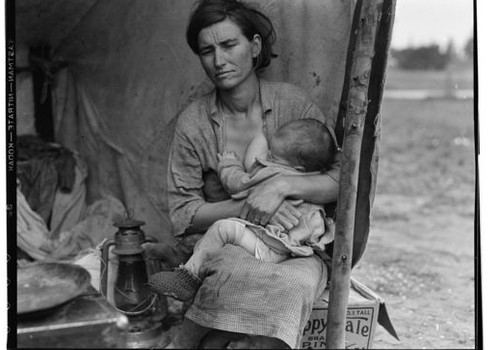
(120, 71)
(126, 72)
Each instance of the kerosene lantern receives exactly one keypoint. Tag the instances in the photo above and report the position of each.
(131, 292)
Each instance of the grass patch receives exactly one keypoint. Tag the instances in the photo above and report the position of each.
(427, 149)
(451, 78)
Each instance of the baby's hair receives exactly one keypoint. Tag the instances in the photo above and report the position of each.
(308, 143)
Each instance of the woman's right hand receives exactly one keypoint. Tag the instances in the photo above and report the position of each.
(287, 215)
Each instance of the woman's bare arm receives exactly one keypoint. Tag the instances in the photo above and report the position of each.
(208, 213)
(265, 198)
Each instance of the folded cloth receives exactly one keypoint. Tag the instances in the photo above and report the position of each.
(32, 233)
(242, 294)
(43, 169)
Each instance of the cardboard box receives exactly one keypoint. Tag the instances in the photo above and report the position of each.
(361, 322)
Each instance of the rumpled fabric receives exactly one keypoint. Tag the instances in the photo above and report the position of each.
(247, 304)
(34, 238)
(32, 231)
(97, 225)
(43, 169)
(70, 207)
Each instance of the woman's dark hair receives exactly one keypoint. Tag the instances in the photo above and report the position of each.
(309, 143)
(250, 21)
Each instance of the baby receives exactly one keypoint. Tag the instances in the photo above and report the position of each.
(298, 147)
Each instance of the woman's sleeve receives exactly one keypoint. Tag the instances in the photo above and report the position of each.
(233, 176)
(185, 183)
(312, 111)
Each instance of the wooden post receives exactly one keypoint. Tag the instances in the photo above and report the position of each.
(365, 29)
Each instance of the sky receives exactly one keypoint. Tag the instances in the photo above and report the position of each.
(422, 22)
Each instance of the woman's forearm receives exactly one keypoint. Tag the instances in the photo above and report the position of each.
(266, 198)
(208, 213)
(319, 189)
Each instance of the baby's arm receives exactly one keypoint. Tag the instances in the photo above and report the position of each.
(231, 172)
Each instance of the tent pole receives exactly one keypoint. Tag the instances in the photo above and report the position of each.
(357, 106)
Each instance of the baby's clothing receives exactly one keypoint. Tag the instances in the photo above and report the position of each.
(314, 230)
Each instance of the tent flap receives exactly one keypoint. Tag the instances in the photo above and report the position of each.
(130, 72)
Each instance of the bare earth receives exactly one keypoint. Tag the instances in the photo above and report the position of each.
(420, 255)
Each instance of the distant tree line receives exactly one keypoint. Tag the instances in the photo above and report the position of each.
(431, 57)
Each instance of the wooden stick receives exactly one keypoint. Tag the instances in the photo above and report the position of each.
(368, 162)
(357, 103)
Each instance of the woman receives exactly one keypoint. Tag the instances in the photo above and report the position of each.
(234, 42)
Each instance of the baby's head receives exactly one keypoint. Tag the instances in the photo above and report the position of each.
(305, 144)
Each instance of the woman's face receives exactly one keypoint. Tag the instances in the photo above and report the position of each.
(226, 54)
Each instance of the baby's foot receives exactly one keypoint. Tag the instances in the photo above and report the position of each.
(180, 283)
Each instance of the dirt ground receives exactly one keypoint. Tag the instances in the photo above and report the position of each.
(420, 255)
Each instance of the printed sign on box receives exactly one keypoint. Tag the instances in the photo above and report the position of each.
(361, 320)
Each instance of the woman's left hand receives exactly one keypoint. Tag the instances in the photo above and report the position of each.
(287, 215)
(262, 202)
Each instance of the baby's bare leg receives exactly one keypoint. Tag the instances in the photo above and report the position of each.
(222, 232)
(183, 283)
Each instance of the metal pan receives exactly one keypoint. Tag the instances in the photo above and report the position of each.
(46, 285)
